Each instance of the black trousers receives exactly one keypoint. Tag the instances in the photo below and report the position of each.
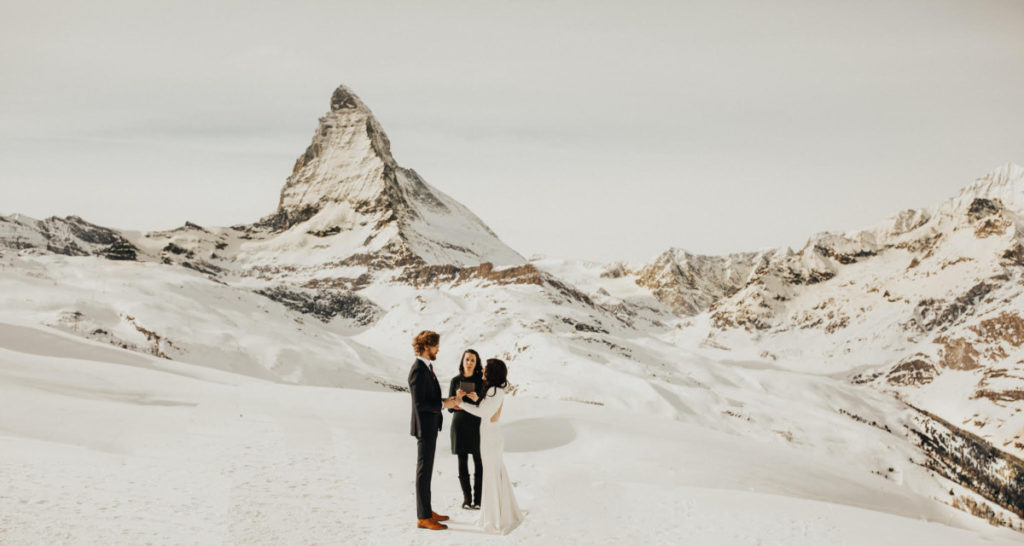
(464, 465)
(425, 446)
(478, 472)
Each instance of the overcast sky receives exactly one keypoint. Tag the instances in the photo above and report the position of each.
(595, 130)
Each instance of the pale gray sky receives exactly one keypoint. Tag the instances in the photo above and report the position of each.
(598, 130)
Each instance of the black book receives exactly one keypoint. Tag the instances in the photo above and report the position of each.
(468, 386)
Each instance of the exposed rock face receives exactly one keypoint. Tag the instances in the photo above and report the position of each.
(348, 161)
(931, 314)
(690, 283)
(981, 208)
(971, 461)
(1000, 333)
(1014, 255)
(120, 250)
(436, 275)
(957, 353)
(325, 304)
(780, 275)
(71, 236)
(1003, 386)
(912, 371)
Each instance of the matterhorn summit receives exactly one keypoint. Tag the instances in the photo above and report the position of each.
(348, 185)
(348, 161)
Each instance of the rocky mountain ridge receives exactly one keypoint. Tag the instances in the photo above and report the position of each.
(926, 305)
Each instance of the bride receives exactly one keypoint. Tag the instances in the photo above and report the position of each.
(499, 511)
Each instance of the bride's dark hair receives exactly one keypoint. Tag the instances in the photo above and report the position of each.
(497, 374)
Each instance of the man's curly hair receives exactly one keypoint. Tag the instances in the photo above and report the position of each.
(425, 339)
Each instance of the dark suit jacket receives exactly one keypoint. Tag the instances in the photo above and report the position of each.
(426, 400)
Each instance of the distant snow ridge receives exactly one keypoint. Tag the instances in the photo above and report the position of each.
(690, 283)
(928, 305)
(70, 236)
(1005, 183)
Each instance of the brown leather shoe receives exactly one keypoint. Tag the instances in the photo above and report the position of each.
(438, 517)
(429, 523)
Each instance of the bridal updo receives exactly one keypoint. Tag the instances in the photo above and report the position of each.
(497, 374)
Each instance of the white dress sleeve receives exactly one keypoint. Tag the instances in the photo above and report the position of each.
(488, 406)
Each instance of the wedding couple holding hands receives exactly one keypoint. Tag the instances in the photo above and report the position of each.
(475, 398)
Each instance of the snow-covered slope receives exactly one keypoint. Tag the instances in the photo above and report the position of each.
(103, 445)
(750, 351)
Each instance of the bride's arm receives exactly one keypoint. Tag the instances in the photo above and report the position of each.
(488, 406)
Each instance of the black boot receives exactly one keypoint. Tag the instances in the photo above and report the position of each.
(467, 498)
(477, 482)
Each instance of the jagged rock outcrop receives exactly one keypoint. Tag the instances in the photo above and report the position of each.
(690, 283)
(71, 236)
(972, 462)
(325, 304)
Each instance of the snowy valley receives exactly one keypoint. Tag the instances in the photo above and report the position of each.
(244, 384)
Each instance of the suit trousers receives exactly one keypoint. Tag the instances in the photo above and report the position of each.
(426, 444)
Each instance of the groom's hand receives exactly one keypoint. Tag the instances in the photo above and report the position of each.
(450, 403)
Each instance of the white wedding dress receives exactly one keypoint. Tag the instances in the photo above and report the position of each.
(499, 511)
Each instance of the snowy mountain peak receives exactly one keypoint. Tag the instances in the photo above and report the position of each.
(349, 160)
(1005, 184)
(1010, 173)
(348, 192)
(689, 283)
(345, 99)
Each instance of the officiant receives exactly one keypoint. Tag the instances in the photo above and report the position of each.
(465, 429)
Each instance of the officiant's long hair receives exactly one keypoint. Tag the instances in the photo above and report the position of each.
(478, 371)
(497, 375)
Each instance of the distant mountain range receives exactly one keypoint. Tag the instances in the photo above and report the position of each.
(360, 253)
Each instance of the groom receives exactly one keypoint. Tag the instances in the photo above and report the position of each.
(426, 422)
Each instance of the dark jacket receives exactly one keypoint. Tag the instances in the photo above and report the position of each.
(465, 427)
(426, 400)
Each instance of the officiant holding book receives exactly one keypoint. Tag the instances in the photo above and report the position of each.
(465, 429)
